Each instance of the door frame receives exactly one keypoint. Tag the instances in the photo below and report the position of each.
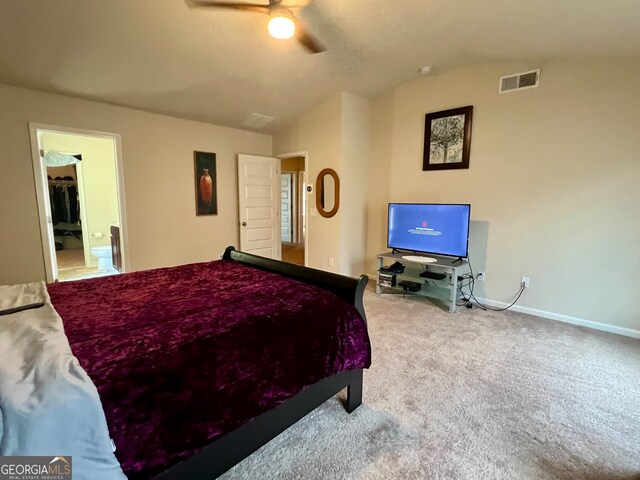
(294, 211)
(42, 192)
(83, 208)
(302, 200)
(305, 154)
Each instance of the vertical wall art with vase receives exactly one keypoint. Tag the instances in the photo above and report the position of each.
(205, 183)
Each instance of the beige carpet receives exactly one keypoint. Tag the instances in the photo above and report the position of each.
(476, 395)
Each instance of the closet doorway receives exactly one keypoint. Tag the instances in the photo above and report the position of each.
(79, 189)
(293, 184)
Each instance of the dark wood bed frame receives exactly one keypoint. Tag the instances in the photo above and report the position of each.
(219, 456)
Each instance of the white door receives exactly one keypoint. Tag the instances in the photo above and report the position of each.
(285, 207)
(259, 204)
(44, 207)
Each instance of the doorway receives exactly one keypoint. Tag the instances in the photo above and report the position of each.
(79, 191)
(293, 207)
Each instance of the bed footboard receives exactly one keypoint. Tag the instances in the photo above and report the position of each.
(230, 449)
(235, 446)
(347, 288)
(354, 391)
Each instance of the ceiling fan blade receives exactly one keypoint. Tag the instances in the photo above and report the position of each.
(250, 7)
(310, 43)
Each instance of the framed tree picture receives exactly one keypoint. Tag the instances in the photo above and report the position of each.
(206, 183)
(447, 139)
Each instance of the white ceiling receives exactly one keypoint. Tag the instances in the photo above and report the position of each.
(219, 66)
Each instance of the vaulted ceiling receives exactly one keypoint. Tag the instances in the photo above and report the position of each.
(219, 66)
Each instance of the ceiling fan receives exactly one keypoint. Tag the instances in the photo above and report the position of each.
(282, 22)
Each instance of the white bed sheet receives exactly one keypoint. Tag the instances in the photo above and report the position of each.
(48, 404)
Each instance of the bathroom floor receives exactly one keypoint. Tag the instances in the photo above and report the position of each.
(71, 266)
(70, 258)
(79, 273)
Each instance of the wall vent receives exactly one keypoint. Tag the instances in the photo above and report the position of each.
(519, 81)
(257, 121)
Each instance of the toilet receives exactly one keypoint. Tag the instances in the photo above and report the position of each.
(105, 261)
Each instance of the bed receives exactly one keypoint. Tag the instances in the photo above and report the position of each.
(198, 366)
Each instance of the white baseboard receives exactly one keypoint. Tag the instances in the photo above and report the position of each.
(605, 327)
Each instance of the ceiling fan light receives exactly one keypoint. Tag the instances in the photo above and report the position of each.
(281, 26)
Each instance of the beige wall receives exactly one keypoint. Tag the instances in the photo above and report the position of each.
(318, 132)
(293, 164)
(335, 134)
(379, 178)
(98, 184)
(553, 180)
(354, 171)
(159, 180)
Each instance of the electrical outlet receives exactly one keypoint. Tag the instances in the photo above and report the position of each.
(482, 276)
(525, 282)
(330, 262)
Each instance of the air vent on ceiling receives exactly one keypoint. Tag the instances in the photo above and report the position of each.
(519, 81)
(257, 121)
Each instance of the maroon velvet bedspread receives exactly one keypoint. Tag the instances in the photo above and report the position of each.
(183, 355)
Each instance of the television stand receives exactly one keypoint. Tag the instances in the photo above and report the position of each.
(443, 292)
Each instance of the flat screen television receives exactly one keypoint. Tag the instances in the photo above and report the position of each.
(440, 229)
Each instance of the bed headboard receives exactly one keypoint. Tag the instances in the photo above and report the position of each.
(348, 288)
